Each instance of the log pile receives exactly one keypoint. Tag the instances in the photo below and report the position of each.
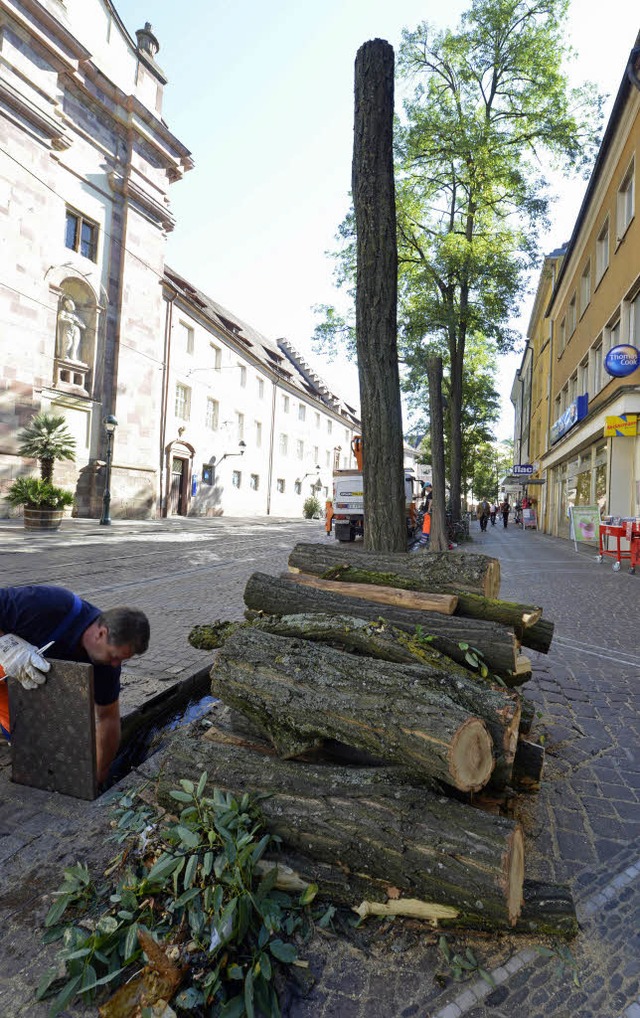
(373, 725)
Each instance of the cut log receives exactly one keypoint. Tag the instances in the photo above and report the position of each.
(497, 644)
(539, 636)
(528, 766)
(444, 604)
(301, 693)
(528, 711)
(445, 572)
(361, 822)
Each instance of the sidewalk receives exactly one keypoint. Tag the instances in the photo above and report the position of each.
(582, 827)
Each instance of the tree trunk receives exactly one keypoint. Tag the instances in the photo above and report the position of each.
(301, 693)
(444, 604)
(444, 573)
(497, 644)
(438, 540)
(362, 821)
(376, 299)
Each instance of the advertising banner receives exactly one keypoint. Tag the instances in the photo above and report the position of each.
(626, 425)
(585, 522)
(575, 412)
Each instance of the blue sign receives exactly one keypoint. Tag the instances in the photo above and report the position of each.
(522, 468)
(622, 360)
(574, 413)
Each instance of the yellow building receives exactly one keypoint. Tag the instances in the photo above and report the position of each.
(594, 307)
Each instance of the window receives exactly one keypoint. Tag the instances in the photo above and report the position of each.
(186, 337)
(217, 357)
(317, 420)
(596, 367)
(573, 388)
(243, 376)
(81, 235)
(297, 487)
(625, 202)
(634, 321)
(207, 473)
(316, 454)
(236, 478)
(572, 317)
(302, 412)
(327, 458)
(239, 426)
(283, 445)
(583, 376)
(300, 449)
(258, 434)
(183, 402)
(260, 388)
(612, 336)
(602, 251)
(254, 482)
(329, 427)
(213, 414)
(285, 404)
(585, 288)
(562, 336)
(280, 485)
(346, 436)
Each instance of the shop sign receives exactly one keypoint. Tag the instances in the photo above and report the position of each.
(522, 468)
(585, 522)
(575, 412)
(622, 360)
(625, 425)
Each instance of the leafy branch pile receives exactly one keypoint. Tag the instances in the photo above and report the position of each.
(188, 893)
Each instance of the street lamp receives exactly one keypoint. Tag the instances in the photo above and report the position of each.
(241, 446)
(109, 424)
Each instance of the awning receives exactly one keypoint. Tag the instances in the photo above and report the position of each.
(517, 481)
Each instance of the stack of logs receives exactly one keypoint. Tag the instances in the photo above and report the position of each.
(371, 699)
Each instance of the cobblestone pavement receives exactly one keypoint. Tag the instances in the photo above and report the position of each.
(583, 826)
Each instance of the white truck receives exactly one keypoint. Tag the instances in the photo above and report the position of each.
(348, 504)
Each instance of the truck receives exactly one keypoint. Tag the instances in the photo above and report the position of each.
(345, 514)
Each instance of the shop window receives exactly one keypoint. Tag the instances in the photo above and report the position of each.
(602, 251)
(280, 485)
(236, 478)
(625, 202)
(81, 235)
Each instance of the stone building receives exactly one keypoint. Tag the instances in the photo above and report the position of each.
(591, 308)
(93, 323)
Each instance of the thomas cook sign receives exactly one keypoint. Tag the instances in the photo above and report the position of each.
(622, 360)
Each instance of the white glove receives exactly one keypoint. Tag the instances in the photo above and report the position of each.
(20, 660)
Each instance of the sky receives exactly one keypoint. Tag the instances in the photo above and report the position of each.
(262, 95)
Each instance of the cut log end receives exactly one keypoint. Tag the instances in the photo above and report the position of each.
(471, 756)
(515, 870)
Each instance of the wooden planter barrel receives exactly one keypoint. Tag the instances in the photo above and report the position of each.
(42, 519)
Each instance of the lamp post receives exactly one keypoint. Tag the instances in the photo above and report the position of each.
(241, 446)
(109, 424)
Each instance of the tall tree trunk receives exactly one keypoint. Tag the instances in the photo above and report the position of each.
(438, 540)
(376, 299)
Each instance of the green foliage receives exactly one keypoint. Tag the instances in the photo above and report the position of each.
(461, 966)
(34, 493)
(476, 660)
(47, 438)
(311, 507)
(195, 884)
(566, 964)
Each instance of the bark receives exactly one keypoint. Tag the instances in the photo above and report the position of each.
(445, 573)
(376, 299)
(528, 711)
(497, 644)
(528, 765)
(547, 910)
(444, 604)
(301, 693)
(438, 540)
(361, 823)
(538, 637)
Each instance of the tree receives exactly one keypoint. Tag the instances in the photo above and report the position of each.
(47, 438)
(490, 105)
(376, 299)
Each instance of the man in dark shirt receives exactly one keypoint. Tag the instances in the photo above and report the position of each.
(31, 617)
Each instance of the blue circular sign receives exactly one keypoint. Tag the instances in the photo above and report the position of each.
(622, 361)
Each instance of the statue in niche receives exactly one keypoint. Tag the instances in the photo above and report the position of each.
(70, 329)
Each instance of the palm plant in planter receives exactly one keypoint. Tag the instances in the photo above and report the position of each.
(42, 502)
(47, 438)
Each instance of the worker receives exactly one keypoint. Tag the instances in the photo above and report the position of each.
(31, 617)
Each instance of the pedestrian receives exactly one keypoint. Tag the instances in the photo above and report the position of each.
(483, 511)
(33, 616)
(505, 509)
(492, 514)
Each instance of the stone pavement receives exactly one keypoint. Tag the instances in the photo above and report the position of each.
(583, 826)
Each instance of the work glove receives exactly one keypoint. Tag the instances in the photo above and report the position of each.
(20, 660)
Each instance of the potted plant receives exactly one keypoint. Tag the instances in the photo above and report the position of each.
(42, 502)
(46, 438)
